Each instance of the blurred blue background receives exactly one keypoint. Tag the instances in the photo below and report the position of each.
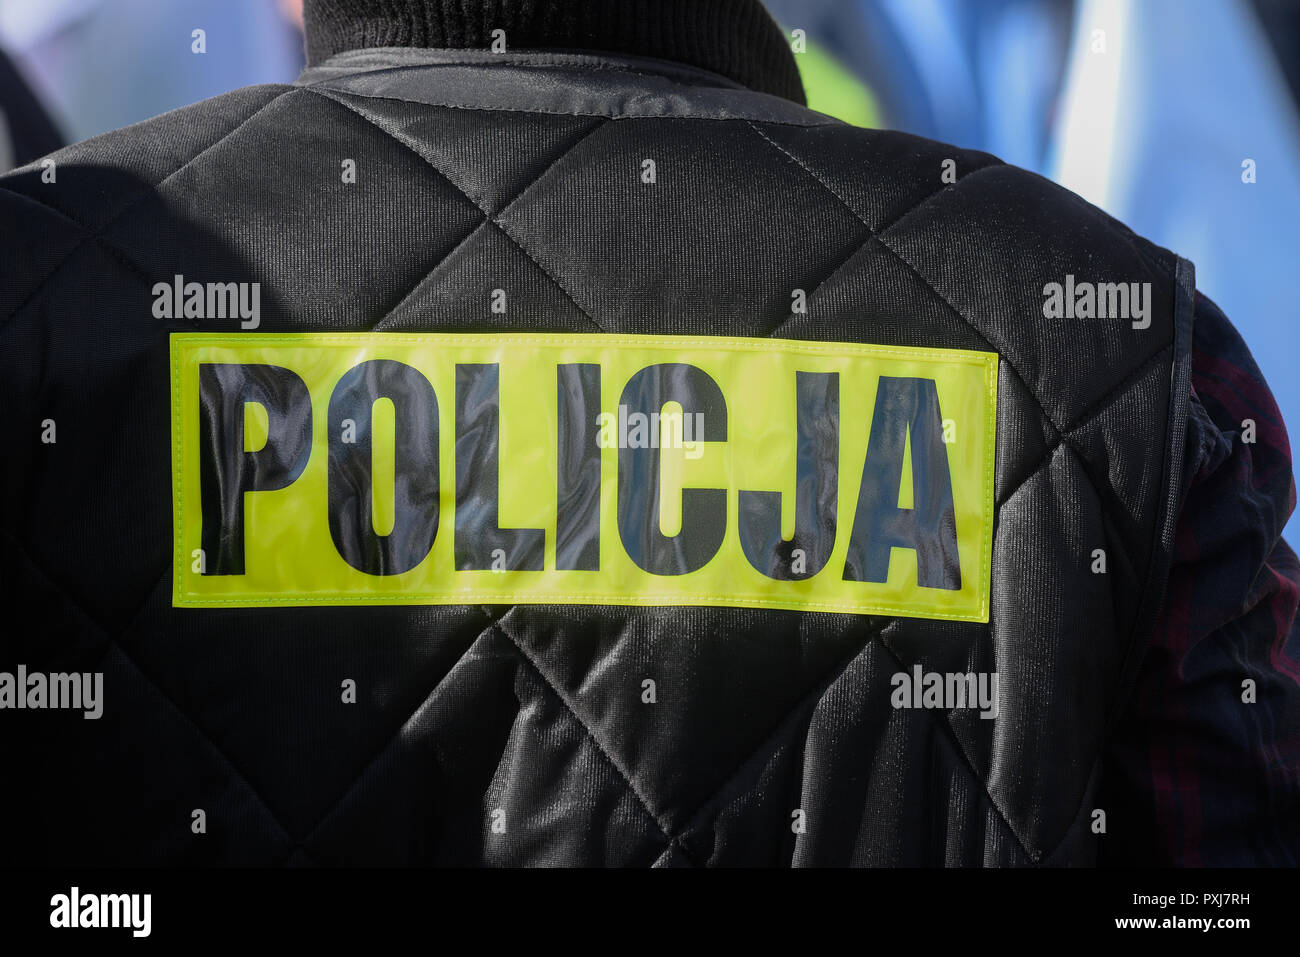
(1154, 110)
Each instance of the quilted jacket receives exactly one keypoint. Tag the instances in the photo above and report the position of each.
(772, 738)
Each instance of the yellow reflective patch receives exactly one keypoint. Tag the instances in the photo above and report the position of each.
(255, 427)
(882, 458)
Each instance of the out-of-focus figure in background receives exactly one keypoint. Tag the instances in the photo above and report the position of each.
(99, 65)
(1178, 117)
(26, 131)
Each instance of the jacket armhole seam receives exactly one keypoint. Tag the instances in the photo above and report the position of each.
(1162, 549)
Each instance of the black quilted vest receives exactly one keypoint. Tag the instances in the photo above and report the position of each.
(523, 172)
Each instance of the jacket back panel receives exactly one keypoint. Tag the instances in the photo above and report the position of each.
(527, 177)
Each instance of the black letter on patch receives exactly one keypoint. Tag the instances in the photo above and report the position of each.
(906, 410)
(817, 489)
(577, 524)
(226, 471)
(415, 460)
(704, 511)
(478, 479)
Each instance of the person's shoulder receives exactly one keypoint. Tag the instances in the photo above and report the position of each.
(51, 208)
(85, 185)
(899, 183)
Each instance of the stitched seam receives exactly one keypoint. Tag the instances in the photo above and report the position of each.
(680, 74)
(387, 743)
(1050, 850)
(114, 640)
(488, 217)
(952, 747)
(48, 207)
(1097, 408)
(817, 122)
(546, 272)
(600, 747)
(941, 719)
(126, 261)
(379, 323)
(842, 201)
(88, 234)
(36, 290)
(804, 166)
(858, 250)
(899, 217)
(143, 194)
(917, 207)
(818, 690)
(565, 154)
(635, 600)
(719, 343)
(872, 233)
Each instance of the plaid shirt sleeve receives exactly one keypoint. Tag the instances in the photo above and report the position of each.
(1204, 767)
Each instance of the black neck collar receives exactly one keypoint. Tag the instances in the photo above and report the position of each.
(735, 38)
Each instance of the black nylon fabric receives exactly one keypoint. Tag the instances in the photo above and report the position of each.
(535, 710)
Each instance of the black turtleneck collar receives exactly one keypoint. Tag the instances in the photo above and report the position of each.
(735, 38)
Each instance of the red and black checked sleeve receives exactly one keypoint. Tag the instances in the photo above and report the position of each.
(1204, 767)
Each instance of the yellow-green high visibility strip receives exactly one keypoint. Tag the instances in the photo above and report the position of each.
(389, 468)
